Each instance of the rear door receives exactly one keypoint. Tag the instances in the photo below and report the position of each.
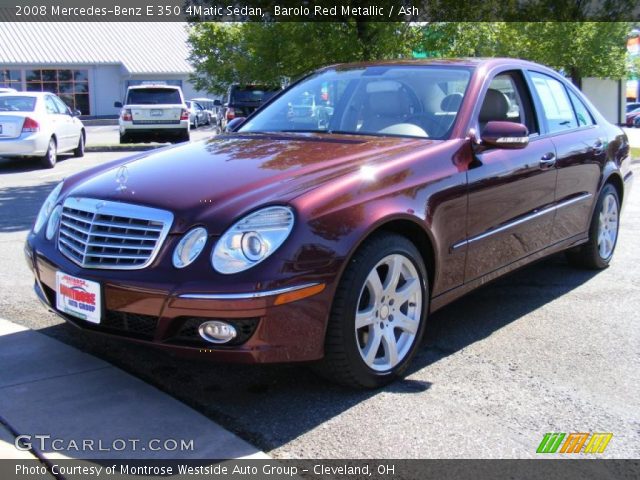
(68, 129)
(155, 105)
(580, 153)
(510, 191)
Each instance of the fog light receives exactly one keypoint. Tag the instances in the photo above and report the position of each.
(217, 332)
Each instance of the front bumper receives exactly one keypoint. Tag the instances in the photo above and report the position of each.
(32, 144)
(167, 315)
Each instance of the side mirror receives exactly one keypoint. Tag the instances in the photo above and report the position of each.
(508, 135)
(117, 104)
(217, 103)
(234, 124)
(76, 113)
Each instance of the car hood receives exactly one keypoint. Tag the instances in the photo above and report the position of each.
(215, 181)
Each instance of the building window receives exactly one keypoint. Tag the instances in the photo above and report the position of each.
(72, 86)
(11, 79)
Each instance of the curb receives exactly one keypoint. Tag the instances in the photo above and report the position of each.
(50, 388)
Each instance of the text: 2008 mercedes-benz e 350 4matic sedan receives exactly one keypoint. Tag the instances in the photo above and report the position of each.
(338, 216)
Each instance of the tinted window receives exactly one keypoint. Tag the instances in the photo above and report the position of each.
(416, 101)
(507, 101)
(555, 103)
(154, 96)
(257, 94)
(62, 108)
(582, 114)
(17, 104)
(50, 105)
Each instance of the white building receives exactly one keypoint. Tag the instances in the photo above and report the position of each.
(91, 64)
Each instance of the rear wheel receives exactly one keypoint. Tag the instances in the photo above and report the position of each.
(603, 233)
(124, 138)
(195, 123)
(378, 315)
(79, 150)
(51, 156)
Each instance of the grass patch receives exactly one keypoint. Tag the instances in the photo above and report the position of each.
(635, 154)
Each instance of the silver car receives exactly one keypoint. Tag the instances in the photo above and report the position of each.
(197, 115)
(39, 124)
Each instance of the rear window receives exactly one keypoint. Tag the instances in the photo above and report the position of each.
(252, 94)
(17, 104)
(154, 96)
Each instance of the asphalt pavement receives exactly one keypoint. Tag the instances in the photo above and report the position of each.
(547, 349)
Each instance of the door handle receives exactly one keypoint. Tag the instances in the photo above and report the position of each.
(548, 160)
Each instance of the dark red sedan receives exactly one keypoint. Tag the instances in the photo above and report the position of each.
(332, 234)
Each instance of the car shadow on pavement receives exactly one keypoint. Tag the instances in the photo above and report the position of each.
(20, 205)
(18, 165)
(271, 405)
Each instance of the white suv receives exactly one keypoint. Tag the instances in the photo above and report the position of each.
(153, 113)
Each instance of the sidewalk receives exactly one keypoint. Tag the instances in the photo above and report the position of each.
(49, 388)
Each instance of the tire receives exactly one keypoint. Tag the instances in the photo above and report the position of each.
(79, 150)
(51, 157)
(124, 138)
(597, 253)
(185, 137)
(195, 123)
(362, 357)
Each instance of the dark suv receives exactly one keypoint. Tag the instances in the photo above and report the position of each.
(243, 100)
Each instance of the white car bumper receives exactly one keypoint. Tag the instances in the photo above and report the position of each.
(131, 127)
(27, 144)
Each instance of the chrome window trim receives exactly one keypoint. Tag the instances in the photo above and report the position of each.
(128, 210)
(246, 295)
(520, 221)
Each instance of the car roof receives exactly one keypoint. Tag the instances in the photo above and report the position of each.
(27, 94)
(460, 62)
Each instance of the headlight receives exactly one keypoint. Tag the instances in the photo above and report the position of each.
(252, 239)
(47, 208)
(189, 247)
(53, 223)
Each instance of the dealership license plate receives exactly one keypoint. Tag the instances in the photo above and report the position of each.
(78, 297)
(156, 113)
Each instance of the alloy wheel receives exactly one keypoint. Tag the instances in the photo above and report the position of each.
(608, 226)
(389, 311)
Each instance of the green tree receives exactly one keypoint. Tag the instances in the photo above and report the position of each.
(265, 52)
(578, 49)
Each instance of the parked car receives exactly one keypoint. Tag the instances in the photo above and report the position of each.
(243, 100)
(7, 90)
(197, 115)
(631, 117)
(632, 106)
(36, 124)
(334, 243)
(213, 108)
(153, 112)
(636, 121)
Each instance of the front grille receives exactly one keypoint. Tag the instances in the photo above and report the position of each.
(111, 235)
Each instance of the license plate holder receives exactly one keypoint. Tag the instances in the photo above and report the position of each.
(78, 297)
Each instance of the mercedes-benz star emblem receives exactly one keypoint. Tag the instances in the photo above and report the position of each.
(122, 176)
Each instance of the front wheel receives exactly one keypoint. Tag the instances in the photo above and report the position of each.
(378, 315)
(603, 233)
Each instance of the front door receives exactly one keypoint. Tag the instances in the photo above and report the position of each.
(511, 192)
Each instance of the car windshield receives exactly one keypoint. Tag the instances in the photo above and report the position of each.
(154, 96)
(413, 101)
(17, 104)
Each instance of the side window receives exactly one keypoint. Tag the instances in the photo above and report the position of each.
(582, 113)
(50, 105)
(556, 106)
(62, 108)
(507, 100)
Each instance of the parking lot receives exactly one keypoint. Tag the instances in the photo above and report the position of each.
(547, 349)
